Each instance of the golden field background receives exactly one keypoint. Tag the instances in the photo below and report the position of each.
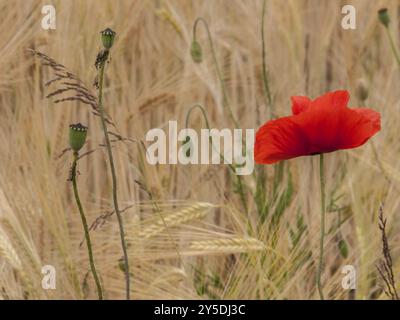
(213, 247)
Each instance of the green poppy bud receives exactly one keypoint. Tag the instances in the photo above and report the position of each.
(121, 265)
(362, 89)
(196, 52)
(107, 37)
(77, 136)
(343, 248)
(383, 16)
(187, 143)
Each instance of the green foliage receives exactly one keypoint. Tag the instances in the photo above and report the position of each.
(298, 231)
(207, 284)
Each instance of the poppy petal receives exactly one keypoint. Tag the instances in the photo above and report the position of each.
(357, 126)
(372, 115)
(334, 99)
(279, 139)
(300, 104)
(321, 125)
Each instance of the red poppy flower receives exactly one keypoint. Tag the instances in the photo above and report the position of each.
(317, 126)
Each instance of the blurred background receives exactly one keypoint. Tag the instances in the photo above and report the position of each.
(223, 237)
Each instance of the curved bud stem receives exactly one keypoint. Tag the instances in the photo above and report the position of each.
(226, 102)
(393, 46)
(231, 166)
(203, 111)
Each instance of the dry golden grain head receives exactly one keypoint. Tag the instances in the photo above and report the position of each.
(7, 252)
(166, 221)
(227, 246)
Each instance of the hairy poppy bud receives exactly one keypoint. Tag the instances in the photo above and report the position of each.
(362, 89)
(107, 37)
(77, 136)
(383, 16)
(121, 265)
(196, 52)
(343, 248)
(187, 143)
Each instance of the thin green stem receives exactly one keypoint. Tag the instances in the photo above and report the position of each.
(114, 180)
(264, 61)
(323, 208)
(393, 46)
(241, 186)
(204, 114)
(85, 226)
(226, 102)
(203, 111)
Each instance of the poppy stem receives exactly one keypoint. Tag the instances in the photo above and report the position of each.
(241, 187)
(114, 181)
(264, 62)
(85, 226)
(226, 102)
(393, 46)
(321, 244)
